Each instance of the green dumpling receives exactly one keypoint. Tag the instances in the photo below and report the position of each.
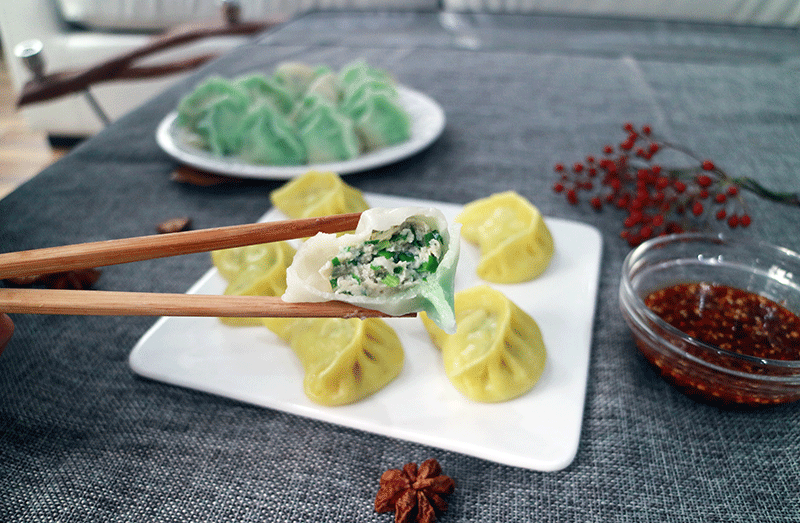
(219, 126)
(194, 106)
(267, 137)
(356, 96)
(305, 108)
(328, 135)
(325, 86)
(297, 77)
(261, 89)
(381, 122)
(358, 71)
(212, 113)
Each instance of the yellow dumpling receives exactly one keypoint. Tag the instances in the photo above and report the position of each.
(316, 194)
(254, 270)
(515, 243)
(497, 352)
(345, 360)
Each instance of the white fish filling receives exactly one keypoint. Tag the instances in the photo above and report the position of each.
(388, 262)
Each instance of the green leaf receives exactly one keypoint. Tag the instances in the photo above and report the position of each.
(431, 265)
(391, 280)
(404, 256)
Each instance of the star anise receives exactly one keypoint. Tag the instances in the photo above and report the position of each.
(414, 494)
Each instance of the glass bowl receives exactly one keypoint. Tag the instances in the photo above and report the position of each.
(705, 371)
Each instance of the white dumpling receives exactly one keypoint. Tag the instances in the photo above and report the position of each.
(398, 261)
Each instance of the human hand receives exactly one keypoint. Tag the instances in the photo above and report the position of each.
(6, 330)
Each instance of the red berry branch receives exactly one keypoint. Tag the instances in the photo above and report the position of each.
(657, 199)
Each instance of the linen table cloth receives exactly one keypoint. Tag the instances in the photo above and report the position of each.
(84, 439)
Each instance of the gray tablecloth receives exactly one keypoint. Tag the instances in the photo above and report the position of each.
(84, 439)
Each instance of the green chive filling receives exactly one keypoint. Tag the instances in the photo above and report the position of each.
(388, 261)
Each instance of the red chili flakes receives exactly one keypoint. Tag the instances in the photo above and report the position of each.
(729, 318)
(741, 323)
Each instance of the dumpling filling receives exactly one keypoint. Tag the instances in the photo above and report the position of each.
(397, 261)
(389, 261)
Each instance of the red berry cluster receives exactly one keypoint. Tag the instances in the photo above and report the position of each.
(658, 200)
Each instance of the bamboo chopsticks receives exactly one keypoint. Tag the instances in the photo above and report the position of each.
(116, 303)
(112, 252)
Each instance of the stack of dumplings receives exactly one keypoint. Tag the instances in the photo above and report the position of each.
(492, 350)
(299, 115)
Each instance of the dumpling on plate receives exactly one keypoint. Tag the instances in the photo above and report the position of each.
(297, 77)
(345, 360)
(327, 135)
(253, 270)
(398, 261)
(359, 71)
(194, 106)
(316, 194)
(381, 121)
(262, 89)
(325, 86)
(515, 243)
(497, 352)
(355, 96)
(212, 114)
(267, 137)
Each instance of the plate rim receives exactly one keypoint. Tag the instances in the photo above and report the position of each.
(421, 139)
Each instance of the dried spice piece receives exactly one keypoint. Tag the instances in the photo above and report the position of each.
(174, 225)
(78, 279)
(414, 494)
(200, 178)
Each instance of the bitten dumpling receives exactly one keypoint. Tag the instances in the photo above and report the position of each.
(344, 360)
(254, 270)
(497, 352)
(398, 261)
(316, 194)
(515, 243)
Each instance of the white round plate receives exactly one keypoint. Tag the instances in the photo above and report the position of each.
(427, 124)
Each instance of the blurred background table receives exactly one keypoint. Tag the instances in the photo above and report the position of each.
(84, 439)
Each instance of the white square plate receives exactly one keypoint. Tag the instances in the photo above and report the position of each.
(539, 430)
